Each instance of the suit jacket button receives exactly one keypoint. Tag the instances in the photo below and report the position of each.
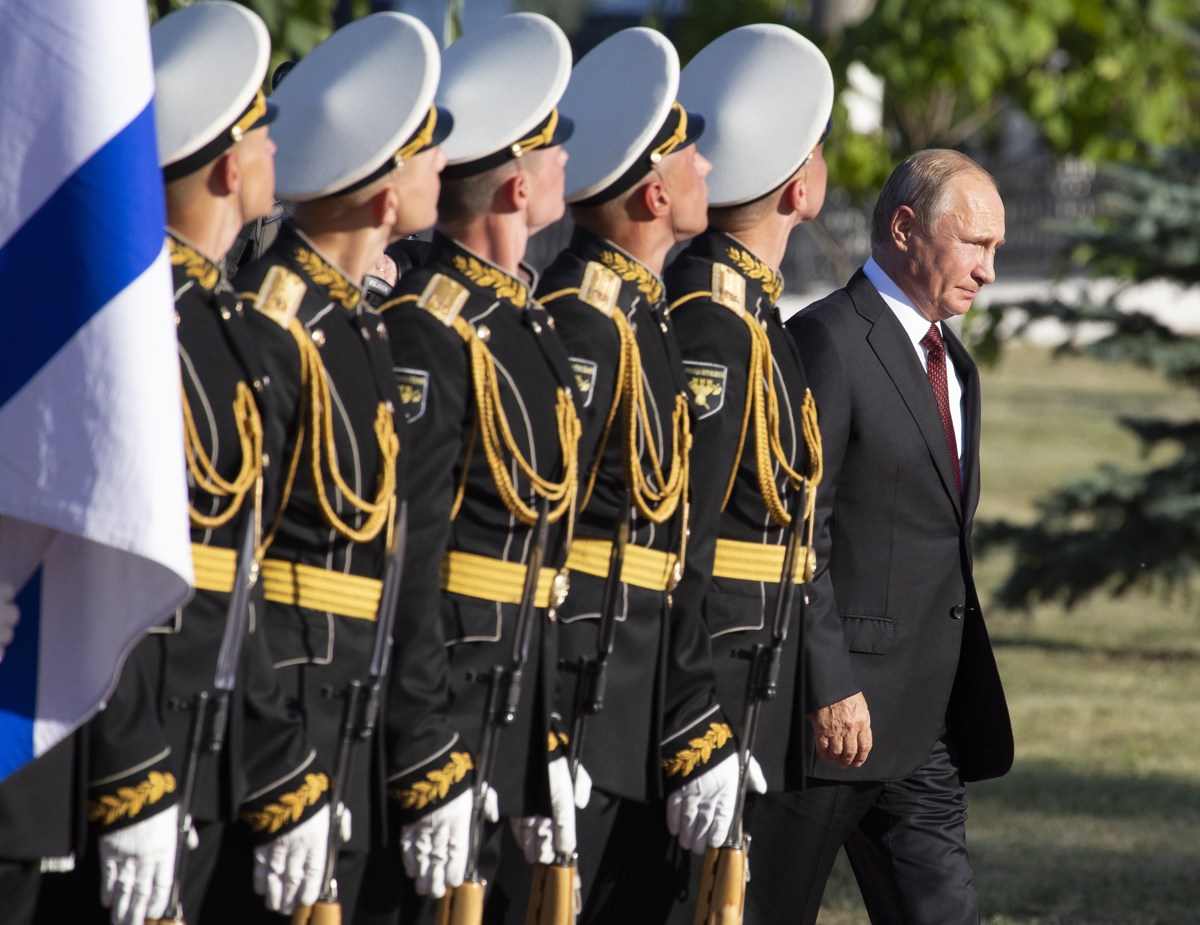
(958, 611)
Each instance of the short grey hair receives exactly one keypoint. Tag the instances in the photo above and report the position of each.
(923, 183)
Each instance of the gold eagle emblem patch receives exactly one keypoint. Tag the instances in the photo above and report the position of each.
(585, 379)
(706, 382)
(413, 385)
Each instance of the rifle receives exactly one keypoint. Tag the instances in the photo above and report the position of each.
(553, 897)
(722, 893)
(360, 715)
(463, 904)
(205, 734)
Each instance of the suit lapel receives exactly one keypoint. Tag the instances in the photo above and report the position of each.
(891, 345)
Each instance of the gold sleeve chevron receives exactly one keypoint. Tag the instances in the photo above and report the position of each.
(289, 808)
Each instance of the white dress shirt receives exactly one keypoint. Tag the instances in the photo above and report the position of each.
(916, 326)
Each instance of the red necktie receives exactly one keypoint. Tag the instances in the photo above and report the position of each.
(936, 367)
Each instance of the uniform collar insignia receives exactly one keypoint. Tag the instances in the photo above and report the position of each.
(485, 275)
(323, 273)
(633, 271)
(198, 267)
(752, 268)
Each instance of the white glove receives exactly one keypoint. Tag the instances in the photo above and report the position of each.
(434, 848)
(541, 838)
(341, 818)
(700, 811)
(137, 864)
(289, 869)
(9, 615)
(583, 788)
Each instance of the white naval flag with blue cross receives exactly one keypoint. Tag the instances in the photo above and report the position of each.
(93, 503)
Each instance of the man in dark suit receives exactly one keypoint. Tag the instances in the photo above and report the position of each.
(899, 403)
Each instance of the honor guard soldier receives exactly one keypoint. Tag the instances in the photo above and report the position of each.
(766, 94)
(493, 435)
(202, 683)
(358, 155)
(650, 725)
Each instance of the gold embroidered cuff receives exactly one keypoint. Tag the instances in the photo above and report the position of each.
(125, 803)
(281, 811)
(698, 752)
(417, 794)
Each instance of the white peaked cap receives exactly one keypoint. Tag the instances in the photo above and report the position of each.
(620, 94)
(766, 94)
(350, 105)
(210, 60)
(501, 82)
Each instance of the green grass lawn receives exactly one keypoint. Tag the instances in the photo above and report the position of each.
(1099, 821)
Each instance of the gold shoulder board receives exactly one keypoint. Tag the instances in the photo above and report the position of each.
(600, 287)
(280, 295)
(728, 288)
(443, 298)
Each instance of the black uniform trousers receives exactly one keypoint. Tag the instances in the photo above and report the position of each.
(389, 896)
(631, 869)
(19, 881)
(906, 841)
(232, 898)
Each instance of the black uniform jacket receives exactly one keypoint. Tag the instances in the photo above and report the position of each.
(895, 537)
(139, 742)
(438, 379)
(660, 693)
(717, 289)
(331, 363)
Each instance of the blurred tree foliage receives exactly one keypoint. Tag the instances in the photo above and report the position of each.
(1097, 78)
(296, 26)
(1117, 529)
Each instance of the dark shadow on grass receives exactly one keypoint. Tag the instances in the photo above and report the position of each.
(1054, 791)
(1034, 867)
(1115, 653)
(1100, 880)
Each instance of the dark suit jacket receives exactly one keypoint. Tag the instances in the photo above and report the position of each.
(896, 539)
